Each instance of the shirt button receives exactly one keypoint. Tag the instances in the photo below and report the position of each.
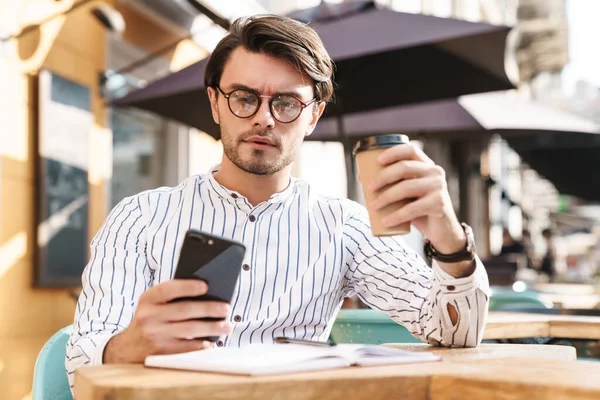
(252, 218)
(246, 267)
(237, 318)
(220, 343)
(235, 196)
(450, 288)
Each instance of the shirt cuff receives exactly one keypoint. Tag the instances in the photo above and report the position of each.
(101, 342)
(452, 286)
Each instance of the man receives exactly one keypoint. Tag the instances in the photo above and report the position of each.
(548, 265)
(268, 82)
(510, 245)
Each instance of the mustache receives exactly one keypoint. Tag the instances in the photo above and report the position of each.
(262, 133)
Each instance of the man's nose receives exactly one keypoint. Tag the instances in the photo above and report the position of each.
(263, 118)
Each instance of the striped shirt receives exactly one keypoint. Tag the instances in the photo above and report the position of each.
(305, 253)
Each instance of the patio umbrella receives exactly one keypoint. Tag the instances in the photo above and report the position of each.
(382, 57)
(563, 148)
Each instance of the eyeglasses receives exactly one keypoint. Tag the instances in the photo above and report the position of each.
(246, 103)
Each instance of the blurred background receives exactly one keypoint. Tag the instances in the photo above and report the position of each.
(522, 163)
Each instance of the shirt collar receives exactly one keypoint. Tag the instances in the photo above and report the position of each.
(234, 196)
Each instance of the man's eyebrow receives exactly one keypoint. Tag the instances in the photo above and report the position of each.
(241, 86)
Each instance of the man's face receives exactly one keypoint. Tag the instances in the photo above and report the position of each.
(260, 144)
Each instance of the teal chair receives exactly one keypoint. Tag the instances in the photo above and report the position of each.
(49, 376)
(506, 299)
(366, 326)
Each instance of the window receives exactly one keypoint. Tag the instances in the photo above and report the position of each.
(147, 149)
(137, 162)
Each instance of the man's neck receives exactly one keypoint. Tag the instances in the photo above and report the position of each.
(255, 188)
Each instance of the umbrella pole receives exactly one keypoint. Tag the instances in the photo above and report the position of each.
(351, 186)
(350, 171)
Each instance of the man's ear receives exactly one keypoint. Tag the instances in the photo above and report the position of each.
(214, 107)
(316, 114)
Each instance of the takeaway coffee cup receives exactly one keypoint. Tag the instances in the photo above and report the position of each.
(366, 152)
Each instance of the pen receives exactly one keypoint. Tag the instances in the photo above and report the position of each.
(282, 339)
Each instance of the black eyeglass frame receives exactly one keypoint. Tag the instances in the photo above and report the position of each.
(303, 105)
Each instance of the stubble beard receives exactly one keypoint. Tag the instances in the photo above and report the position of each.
(257, 164)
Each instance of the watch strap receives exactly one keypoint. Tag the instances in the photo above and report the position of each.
(466, 254)
(462, 255)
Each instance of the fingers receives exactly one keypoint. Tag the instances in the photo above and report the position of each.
(408, 174)
(426, 178)
(170, 290)
(185, 346)
(161, 326)
(406, 169)
(432, 205)
(195, 329)
(186, 310)
(403, 152)
(407, 189)
(174, 337)
(175, 346)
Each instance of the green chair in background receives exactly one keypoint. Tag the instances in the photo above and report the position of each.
(507, 299)
(366, 326)
(49, 376)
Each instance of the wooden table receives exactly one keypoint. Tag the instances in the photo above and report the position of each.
(509, 325)
(574, 289)
(464, 374)
(571, 301)
(520, 379)
(569, 295)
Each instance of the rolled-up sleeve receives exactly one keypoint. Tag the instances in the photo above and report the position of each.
(392, 278)
(113, 280)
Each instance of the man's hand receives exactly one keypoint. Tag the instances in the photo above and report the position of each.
(160, 326)
(409, 174)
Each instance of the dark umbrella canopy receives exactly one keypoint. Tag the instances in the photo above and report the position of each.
(563, 148)
(383, 58)
(180, 96)
(464, 117)
(440, 117)
(573, 171)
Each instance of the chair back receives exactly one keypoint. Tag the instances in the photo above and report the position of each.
(366, 326)
(50, 377)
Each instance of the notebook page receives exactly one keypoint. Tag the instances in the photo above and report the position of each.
(251, 359)
(378, 355)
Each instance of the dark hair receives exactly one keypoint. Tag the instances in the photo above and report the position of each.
(279, 37)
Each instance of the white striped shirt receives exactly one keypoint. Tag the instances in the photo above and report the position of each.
(305, 253)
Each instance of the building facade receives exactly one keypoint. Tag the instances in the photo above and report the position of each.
(120, 152)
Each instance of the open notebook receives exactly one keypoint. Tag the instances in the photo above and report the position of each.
(265, 359)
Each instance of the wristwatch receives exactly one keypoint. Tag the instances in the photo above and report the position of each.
(466, 254)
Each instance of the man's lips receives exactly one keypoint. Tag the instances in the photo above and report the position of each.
(260, 140)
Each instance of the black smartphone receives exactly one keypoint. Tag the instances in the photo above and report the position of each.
(213, 259)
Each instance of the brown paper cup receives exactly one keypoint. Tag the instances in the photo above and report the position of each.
(366, 154)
